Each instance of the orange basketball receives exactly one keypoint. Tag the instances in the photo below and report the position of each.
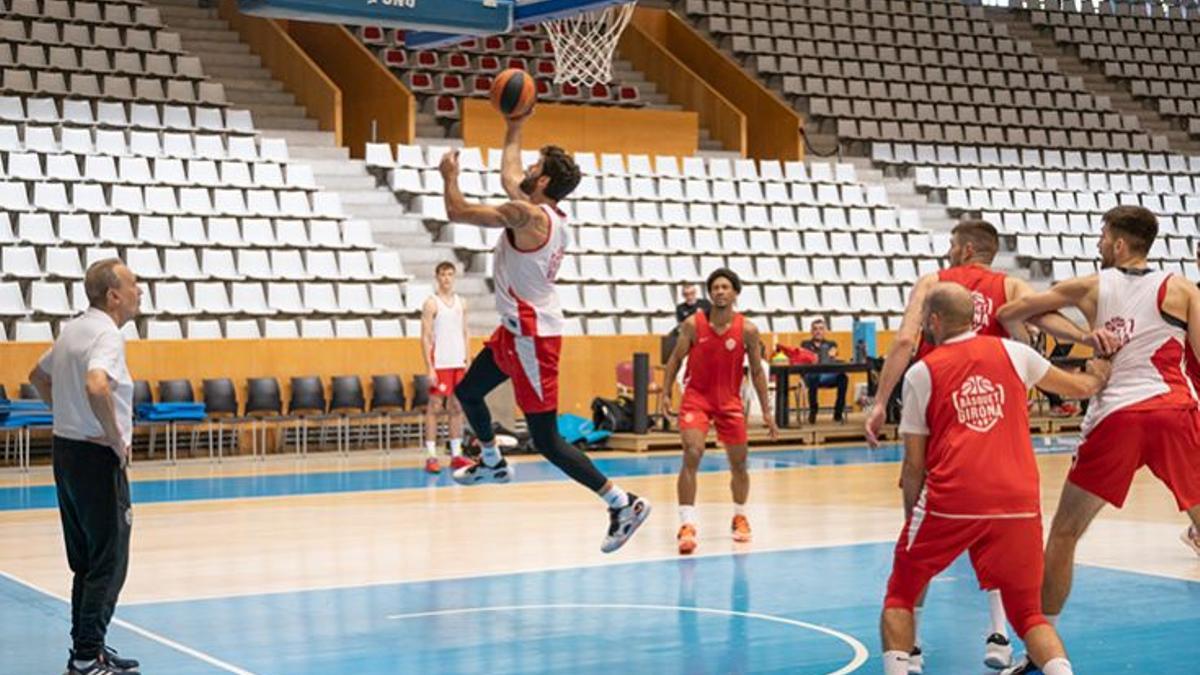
(514, 92)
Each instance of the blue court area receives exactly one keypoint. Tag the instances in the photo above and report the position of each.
(192, 489)
(798, 611)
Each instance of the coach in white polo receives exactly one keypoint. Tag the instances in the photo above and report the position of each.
(84, 379)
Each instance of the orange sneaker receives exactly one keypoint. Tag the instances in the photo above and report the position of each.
(432, 466)
(458, 462)
(741, 528)
(686, 538)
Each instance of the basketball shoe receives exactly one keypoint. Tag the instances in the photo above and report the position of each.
(459, 462)
(432, 465)
(1191, 538)
(686, 538)
(998, 652)
(623, 522)
(740, 528)
(478, 472)
(1023, 667)
(916, 662)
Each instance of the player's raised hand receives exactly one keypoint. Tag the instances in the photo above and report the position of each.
(873, 424)
(449, 164)
(1104, 341)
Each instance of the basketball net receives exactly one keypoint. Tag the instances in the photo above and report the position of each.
(584, 44)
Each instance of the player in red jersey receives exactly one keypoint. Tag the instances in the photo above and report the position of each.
(716, 344)
(969, 477)
(973, 246)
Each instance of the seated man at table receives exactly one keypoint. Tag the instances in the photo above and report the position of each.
(827, 352)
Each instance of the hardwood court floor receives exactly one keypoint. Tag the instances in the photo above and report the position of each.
(368, 565)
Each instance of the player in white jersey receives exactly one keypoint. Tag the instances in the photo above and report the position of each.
(1148, 413)
(526, 346)
(444, 345)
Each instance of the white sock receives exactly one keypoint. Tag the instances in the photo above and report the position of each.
(739, 509)
(687, 514)
(615, 497)
(455, 447)
(895, 662)
(491, 454)
(431, 448)
(996, 605)
(917, 626)
(1057, 666)
(1052, 619)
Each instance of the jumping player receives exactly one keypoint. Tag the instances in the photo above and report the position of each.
(526, 346)
(715, 343)
(969, 477)
(1148, 414)
(444, 346)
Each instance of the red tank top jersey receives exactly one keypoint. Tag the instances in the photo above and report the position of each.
(979, 457)
(715, 363)
(987, 290)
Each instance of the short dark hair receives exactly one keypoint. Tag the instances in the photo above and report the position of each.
(726, 273)
(560, 168)
(445, 264)
(1136, 225)
(981, 234)
(101, 277)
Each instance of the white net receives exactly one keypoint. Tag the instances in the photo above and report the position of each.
(584, 44)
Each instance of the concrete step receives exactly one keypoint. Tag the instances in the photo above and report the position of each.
(221, 62)
(399, 227)
(220, 34)
(318, 152)
(208, 46)
(255, 95)
(369, 196)
(354, 182)
(200, 20)
(276, 109)
(297, 138)
(258, 84)
(375, 212)
(323, 168)
(292, 123)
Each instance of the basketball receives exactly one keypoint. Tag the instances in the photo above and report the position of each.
(513, 93)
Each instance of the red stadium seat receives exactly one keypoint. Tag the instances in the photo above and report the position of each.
(419, 81)
(543, 87)
(458, 61)
(398, 37)
(517, 63)
(427, 59)
(395, 58)
(446, 106)
(543, 68)
(495, 43)
(628, 94)
(372, 35)
(481, 85)
(546, 48)
(523, 46)
(488, 64)
(600, 92)
(451, 83)
(569, 91)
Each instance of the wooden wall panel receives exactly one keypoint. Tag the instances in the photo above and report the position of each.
(588, 128)
(587, 370)
(378, 107)
(288, 63)
(772, 126)
(684, 87)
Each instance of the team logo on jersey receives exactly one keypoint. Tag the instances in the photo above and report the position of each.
(730, 344)
(979, 403)
(983, 311)
(1121, 327)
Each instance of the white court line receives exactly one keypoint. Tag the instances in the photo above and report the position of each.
(860, 650)
(516, 570)
(150, 635)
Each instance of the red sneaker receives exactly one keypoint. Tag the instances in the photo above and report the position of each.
(686, 538)
(432, 466)
(459, 461)
(740, 528)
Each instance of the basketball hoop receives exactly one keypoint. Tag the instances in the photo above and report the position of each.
(584, 44)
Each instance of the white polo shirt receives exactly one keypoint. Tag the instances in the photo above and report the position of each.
(90, 341)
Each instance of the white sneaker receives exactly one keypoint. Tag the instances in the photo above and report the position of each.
(1189, 537)
(479, 473)
(998, 653)
(624, 522)
(916, 662)
(1023, 667)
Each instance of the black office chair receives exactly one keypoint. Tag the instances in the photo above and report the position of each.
(176, 391)
(346, 400)
(387, 401)
(142, 393)
(3, 393)
(220, 406)
(307, 402)
(420, 397)
(263, 402)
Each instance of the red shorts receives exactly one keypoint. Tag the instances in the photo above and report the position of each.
(1005, 552)
(697, 412)
(1166, 440)
(532, 364)
(447, 380)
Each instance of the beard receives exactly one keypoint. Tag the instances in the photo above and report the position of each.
(1106, 261)
(528, 184)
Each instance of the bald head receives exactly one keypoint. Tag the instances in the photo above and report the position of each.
(948, 311)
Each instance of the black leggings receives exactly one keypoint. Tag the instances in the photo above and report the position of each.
(484, 376)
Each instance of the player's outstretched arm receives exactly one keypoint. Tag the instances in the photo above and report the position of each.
(1077, 385)
(511, 171)
(912, 472)
(899, 355)
(758, 377)
(683, 344)
(1041, 309)
(512, 215)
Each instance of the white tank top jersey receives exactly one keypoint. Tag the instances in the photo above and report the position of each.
(1151, 367)
(525, 296)
(449, 347)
